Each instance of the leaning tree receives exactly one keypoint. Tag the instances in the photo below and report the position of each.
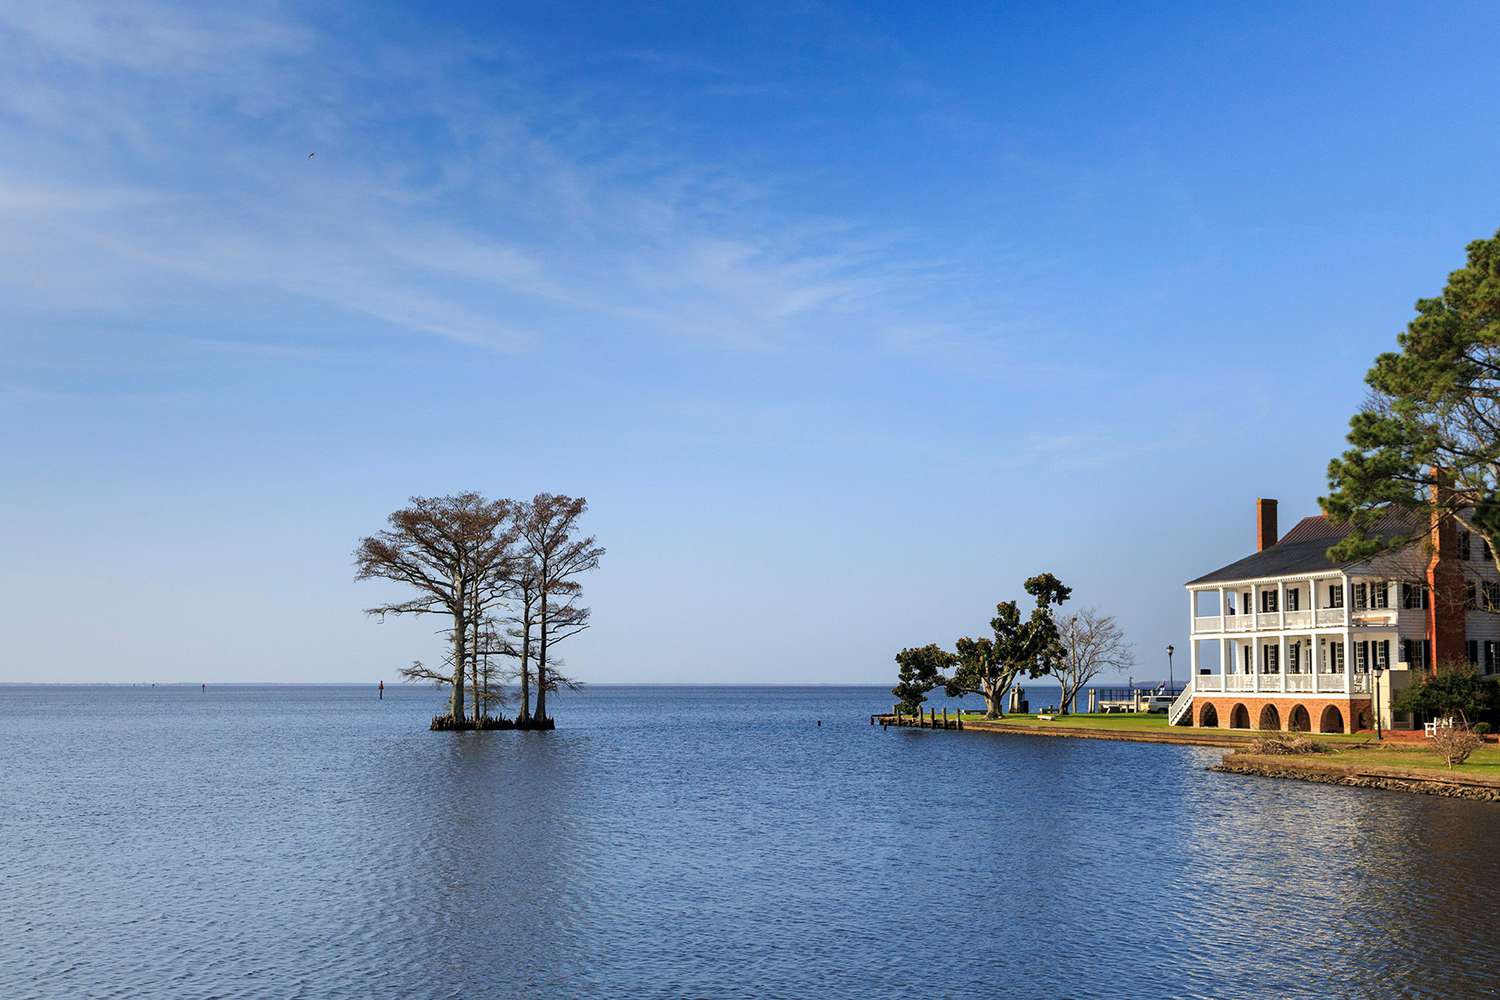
(1427, 440)
(989, 666)
(454, 551)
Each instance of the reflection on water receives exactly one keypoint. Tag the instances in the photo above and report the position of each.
(315, 842)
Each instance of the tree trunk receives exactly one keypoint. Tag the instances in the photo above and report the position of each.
(525, 712)
(541, 657)
(992, 698)
(460, 661)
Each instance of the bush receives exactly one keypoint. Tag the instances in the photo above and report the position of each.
(1482, 728)
(1281, 746)
(1455, 743)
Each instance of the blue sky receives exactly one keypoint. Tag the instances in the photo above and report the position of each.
(846, 319)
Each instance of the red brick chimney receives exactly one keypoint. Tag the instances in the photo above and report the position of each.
(1265, 524)
(1446, 620)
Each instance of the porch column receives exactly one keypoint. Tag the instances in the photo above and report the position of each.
(1349, 660)
(1224, 663)
(1193, 658)
(1312, 660)
(1255, 607)
(1281, 665)
(1223, 608)
(1281, 604)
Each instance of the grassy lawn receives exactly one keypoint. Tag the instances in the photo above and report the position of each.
(1142, 722)
(1484, 764)
(1350, 750)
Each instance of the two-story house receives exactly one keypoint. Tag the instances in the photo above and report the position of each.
(1286, 639)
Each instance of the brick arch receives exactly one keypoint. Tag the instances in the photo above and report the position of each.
(1270, 718)
(1208, 716)
(1331, 721)
(1298, 721)
(1364, 720)
(1239, 717)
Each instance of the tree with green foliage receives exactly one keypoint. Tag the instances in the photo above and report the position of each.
(1428, 438)
(920, 671)
(989, 666)
(1455, 692)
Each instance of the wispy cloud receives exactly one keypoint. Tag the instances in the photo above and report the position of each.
(162, 158)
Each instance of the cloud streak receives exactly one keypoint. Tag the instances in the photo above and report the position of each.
(163, 162)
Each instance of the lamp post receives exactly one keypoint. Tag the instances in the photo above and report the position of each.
(1375, 698)
(1169, 668)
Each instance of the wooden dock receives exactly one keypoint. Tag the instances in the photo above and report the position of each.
(929, 719)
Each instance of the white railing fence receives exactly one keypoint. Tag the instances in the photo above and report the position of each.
(1180, 705)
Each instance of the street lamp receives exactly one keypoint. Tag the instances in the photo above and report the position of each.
(1169, 668)
(1375, 697)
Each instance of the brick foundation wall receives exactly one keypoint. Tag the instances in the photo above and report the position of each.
(1223, 707)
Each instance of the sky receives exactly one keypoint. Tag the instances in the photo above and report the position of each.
(845, 318)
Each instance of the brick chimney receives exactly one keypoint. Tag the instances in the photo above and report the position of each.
(1265, 524)
(1446, 612)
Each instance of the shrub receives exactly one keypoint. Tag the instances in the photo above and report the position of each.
(1455, 743)
(1482, 728)
(1280, 746)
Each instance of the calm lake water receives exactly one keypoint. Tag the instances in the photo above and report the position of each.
(700, 842)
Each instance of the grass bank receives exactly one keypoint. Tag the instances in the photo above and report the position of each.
(1348, 759)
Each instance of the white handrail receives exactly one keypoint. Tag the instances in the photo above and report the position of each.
(1180, 704)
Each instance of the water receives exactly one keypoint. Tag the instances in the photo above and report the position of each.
(704, 842)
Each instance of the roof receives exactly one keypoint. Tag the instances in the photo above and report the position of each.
(1304, 549)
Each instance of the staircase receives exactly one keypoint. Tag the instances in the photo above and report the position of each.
(1181, 705)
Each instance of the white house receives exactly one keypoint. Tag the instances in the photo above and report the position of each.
(1285, 639)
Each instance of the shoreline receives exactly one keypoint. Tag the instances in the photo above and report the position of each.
(1124, 736)
(1392, 779)
(1340, 766)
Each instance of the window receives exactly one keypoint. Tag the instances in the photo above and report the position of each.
(1248, 604)
(1249, 663)
(1491, 598)
(1361, 657)
(1413, 596)
(1268, 600)
(1471, 596)
(1464, 547)
(1336, 595)
(1426, 656)
(1380, 595)
(1335, 657)
(1474, 652)
(1414, 652)
(1383, 654)
(1270, 655)
(1491, 654)
(1361, 597)
(1291, 600)
(1294, 658)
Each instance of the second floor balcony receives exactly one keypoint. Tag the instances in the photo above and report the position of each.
(1276, 621)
